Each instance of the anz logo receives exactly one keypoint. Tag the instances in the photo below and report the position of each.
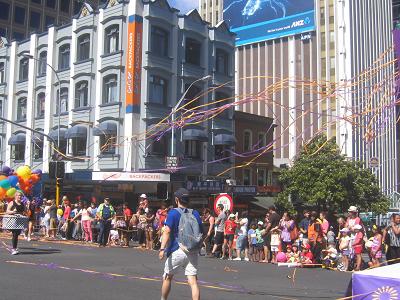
(301, 22)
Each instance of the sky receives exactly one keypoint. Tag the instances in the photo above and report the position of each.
(184, 5)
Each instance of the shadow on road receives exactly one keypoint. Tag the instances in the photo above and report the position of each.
(37, 251)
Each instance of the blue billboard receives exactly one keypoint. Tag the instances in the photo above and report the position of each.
(259, 20)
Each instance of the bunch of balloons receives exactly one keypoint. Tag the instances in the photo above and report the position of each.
(23, 179)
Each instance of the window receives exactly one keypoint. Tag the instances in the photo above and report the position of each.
(19, 15)
(37, 148)
(51, 3)
(112, 39)
(261, 177)
(64, 5)
(159, 41)
(222, 59)
(4, 11)
(79, 146)
(18, 152)
(21, 109)
(37, 1)
(23, 69)
(226, 100)
(262, 140)
(107, 143)
(193, 149)
(42, 63)
(83, 47)
(110, 89)
(3, 32)
(247, 141)
(2, 73)
(246, 177)
(63, 102)
(81, 94)
(159, 147)
(40, 105)
(158, 90)
(216, 17)
(18, 36)
(77, 6)
(34, 21)
(49, 21)
(193, 51)
(192, 97)
(1, 107)
(63, 57)
(222, 151)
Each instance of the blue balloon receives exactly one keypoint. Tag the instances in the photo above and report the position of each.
(13, 180)
(5, 184)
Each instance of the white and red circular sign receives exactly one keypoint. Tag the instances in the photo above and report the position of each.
(224, 199)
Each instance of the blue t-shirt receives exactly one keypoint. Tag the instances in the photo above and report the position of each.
(253, 238)
(172, 222)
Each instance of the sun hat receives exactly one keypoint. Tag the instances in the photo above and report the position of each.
(232, 216)
(345, 229)
(143, 196)
(260, 223)
(307, 246)
(357, 226)
(352, 209)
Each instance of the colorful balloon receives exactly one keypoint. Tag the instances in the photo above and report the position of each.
(11, 192)
(5, 184)
(2, 177)
(13, 180)
(2, 193)
(24, 172)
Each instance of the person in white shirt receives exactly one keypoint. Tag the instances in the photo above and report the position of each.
(241, 242)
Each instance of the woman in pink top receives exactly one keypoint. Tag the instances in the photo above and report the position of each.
(325, 223)
(86, 214)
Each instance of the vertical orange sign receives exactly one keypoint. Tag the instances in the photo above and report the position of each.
(134, 64)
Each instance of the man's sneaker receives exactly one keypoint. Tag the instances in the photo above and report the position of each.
(237, 258)
(28, 239)
(14, 252)
(246, 259)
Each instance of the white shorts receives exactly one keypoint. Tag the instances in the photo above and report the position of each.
(274, 248)
(181, 260)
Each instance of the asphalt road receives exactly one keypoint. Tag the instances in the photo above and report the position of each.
(57, 270)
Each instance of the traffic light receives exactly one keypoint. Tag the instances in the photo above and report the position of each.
(56, 169)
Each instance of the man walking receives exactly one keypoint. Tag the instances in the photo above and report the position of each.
(105, 213)
(177, 258)
(219, 233)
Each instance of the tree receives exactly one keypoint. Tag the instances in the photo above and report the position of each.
(323, 178)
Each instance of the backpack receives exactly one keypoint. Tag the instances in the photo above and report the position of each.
(190, 237)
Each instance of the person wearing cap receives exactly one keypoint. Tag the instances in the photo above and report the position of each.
(358, 245)
(344, 247)
(230, 228)
(105, 213)
(176, 257)
(143, 203)
(353, 218)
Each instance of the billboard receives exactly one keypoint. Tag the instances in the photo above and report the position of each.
(259, 20)
(133, 64)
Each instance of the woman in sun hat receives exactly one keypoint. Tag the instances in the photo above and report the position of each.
(353, 218)
(358, 245)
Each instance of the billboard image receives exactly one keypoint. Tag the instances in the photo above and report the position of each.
(259, 20)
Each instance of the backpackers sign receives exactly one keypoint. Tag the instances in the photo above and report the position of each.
(134, 64)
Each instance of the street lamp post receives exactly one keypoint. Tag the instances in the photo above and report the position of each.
(173, 112)
(29, 56)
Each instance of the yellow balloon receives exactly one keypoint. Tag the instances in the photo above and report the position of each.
(24, 172)
(60, 212)
(11, 192)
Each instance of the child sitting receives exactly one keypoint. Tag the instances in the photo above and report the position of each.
(113, 239)
(306, 255)
(330, 257)
(289, 254)
(296, 254)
